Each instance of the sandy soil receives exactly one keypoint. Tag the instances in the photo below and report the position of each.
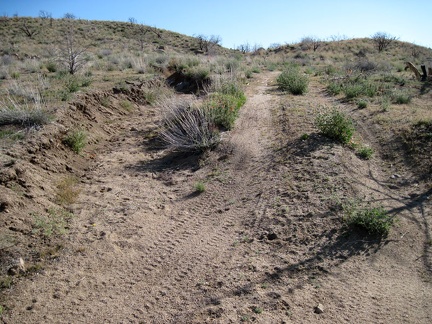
(264, 243)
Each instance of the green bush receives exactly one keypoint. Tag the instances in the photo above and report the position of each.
(364, 88)
(365, 152)
(385, 103)
(76, 140)
(24, 116)
(375, 221)
(291, 80)
(362, 104)
(200, 187)
(401, 98)
(234, 89)
(334, 88)
(223, 108)
(72, 84)
(55, 222)
(199, 74)
(335, 125)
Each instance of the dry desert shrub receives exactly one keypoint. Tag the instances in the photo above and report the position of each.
(187, 126)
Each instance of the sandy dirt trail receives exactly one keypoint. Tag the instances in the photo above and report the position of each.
(261, 244)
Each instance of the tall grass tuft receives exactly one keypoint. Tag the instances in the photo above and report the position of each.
(24, 107)
(188, 127)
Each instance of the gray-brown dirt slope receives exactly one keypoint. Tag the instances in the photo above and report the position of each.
(264, 243)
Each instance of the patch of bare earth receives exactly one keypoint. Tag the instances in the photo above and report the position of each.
(263, 243)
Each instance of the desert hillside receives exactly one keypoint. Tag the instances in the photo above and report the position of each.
(152, 177)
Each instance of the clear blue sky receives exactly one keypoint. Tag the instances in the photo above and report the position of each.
(260, 22)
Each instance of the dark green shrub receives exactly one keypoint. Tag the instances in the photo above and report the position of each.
(365, 152)
(291, 80)
(335, 125)
(76, 140)
(375, 221)
(362, 104)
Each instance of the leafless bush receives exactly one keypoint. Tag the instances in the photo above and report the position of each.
(206, 43)
(69, 15)
(244, 48)
(141, 31)
(187, 126)
(382, 40)
(310, 42)
(365, 65)
(45, 14)
(338, 38)
(29, 31)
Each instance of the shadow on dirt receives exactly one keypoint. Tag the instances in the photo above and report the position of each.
(341, 246)
(426, 87)
(304, 146)
(187, 84)
(333, 247)
(419, 203)
(410, 206)
(171, 161)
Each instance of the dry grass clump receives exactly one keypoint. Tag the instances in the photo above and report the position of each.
(23, 106)
(67, 191)
(187, 126)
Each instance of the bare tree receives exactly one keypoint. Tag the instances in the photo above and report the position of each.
(206, 43)
(338, 38)
(142, 31)
(215, 40)
(132, 20)
(72, 54)
(274, 46)
(382, 40)
(256, 47)
(310, 42)
(45, 14)
(29, 31)
(202, 42)
(69, 15)
(244, 48)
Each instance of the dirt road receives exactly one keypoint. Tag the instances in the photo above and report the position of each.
(264, 243)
